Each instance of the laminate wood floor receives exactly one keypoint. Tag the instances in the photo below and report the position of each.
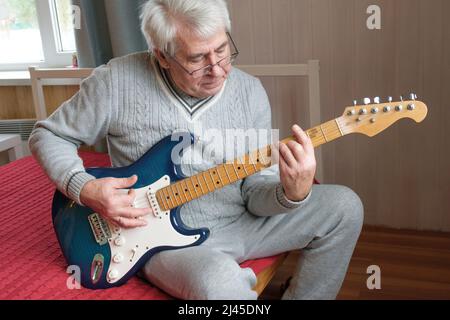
(413, 265)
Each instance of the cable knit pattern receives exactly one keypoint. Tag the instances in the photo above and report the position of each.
(124, 102)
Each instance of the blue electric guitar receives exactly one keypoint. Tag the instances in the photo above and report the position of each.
(108, 255)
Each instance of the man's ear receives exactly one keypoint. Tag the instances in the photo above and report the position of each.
(161, 57)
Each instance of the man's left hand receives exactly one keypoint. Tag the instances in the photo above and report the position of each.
(297, 164)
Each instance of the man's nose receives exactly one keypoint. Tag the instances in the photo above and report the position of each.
(216, 71)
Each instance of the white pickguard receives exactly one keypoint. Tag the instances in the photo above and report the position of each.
(129, 245)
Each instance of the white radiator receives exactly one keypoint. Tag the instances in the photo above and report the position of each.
(23, 127)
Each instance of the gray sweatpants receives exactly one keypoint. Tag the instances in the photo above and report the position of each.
(326, 229)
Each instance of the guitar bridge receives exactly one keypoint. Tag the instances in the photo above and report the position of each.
(100, 228)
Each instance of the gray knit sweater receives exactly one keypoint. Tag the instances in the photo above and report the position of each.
(130, 102)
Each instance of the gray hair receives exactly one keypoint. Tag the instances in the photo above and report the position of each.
(161, 20)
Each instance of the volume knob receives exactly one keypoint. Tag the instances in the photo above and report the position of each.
(113, 274)
(119, 241)
(118, 258)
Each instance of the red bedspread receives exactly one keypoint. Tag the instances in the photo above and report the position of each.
(31, 263)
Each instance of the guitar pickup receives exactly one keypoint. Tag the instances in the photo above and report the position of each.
(100, 229)
(154, 204)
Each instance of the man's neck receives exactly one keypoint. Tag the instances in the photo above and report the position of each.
(178, 90)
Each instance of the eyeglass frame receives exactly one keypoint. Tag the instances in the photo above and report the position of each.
(232, 58)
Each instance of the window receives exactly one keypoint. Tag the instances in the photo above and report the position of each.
(63, 26)
(36, 32)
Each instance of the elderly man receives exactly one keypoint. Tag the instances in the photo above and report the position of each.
(184, 81)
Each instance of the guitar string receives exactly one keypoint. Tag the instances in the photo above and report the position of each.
(337, 130)
(329, 130)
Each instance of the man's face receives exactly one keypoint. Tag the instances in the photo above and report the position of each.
(194, 53)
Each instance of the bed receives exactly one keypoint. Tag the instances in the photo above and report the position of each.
(31, 264)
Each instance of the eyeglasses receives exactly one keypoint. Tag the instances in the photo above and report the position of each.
(198, 73)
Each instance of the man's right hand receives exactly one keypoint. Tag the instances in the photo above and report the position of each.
(106, 197)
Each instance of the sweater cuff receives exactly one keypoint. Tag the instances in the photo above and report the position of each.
(285, 202)
(76, 183)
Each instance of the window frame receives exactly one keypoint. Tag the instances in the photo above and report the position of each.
(52, 58)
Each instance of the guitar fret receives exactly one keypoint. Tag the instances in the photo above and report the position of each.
(203, 176)
(339, 127)
(218, 174)
(222, 179)
(235, 171)
(163, 200)
(185, 190)
(160, 201)
(178, 192)
(169, 197)
(164, 196)
(188, 188)
(192, 186)
(213, 181)
(174, 196)
(199, 183)
(241, 166)
(323, 133)
(245, 170)
(253, 162)
(226, 172)
(180, 186)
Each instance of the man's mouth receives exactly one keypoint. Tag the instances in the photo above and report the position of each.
(212, 84)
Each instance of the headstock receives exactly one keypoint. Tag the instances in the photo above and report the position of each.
(373, 118)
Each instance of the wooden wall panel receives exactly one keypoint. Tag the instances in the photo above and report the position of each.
(402, 174)
(385, 62)
(17, 102)
(322, 50)
(408, 75)
(431, 61)
(442, 158)
(55, 96)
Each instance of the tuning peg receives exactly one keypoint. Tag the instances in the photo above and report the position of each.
(413, 96)
(390, 99)
(366, 101)
(376, 100)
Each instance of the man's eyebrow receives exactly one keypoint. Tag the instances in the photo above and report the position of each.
(198, 55)
(195, 55)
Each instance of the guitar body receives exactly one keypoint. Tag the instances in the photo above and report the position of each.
(108, 255)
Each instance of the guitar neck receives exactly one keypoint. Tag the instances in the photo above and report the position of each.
(218, 177)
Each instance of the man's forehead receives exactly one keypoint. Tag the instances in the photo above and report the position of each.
(190, 44)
